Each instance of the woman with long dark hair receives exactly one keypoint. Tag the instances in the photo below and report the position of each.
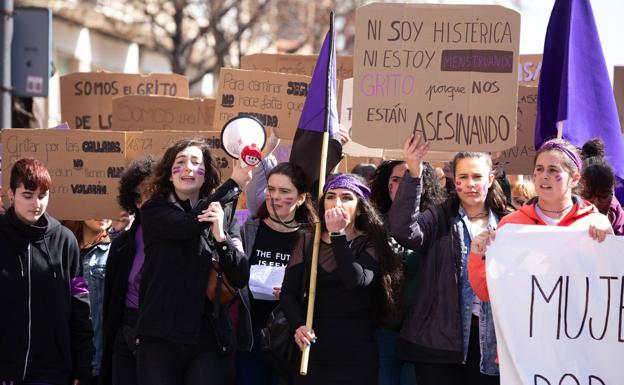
(358, 277)
(185, 338)
(393, 371)
(448, 333)
(268, 239)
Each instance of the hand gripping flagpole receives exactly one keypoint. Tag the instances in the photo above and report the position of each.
(305, 356)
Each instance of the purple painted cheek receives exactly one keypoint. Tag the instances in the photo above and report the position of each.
(458, 187)
(558, 178)
(201, 171)
(486, 187)
(176, 169)
(288, 201)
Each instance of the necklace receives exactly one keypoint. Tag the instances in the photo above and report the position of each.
(480, 215)
(282, 222)
(555, 211)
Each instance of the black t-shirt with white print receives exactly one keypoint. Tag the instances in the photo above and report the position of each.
(271, 248)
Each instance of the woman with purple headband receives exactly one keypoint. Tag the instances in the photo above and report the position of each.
(557, 172)
(357, 279)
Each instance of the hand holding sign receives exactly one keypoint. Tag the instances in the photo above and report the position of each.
(479, 245)
(414, 150)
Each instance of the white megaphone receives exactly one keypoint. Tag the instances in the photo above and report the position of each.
(243, 137)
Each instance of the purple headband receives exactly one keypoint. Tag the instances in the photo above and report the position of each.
(551, 144)
(350, 183)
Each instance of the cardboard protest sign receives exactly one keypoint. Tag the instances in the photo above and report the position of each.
(294, 64)
(87, 97)
(346, 105)
(155, 143)
(618, 91)
(85, 167)
(553, 292)
(275, 99)
(162, 113)
(529, 69)
(519, 159)
(446, 71)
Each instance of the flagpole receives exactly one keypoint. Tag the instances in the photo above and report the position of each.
(305, 355)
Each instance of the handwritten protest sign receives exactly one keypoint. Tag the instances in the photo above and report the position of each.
(557, 300)
(275, 99)
(529, 69)
(294, 64)
(618, 91)
(346, 106)
(155, 143)
(87, 98)
(446, 71)
(85, 167)
(519, 159)
(147, 113)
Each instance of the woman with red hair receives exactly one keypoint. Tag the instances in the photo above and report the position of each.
(44, 328)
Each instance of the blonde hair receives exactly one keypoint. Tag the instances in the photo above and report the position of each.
(526, 188)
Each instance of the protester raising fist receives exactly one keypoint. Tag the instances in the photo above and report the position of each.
(439, 319)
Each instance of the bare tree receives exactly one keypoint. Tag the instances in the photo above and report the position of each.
(200, 36)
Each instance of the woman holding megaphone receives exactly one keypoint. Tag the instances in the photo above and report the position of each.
(188, 229)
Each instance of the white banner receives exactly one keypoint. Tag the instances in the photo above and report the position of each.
(558, 304)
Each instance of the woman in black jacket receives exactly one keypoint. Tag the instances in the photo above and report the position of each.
(45, 332)
(183, 337)
(122, 278)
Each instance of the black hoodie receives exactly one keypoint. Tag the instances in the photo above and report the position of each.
(45, 332)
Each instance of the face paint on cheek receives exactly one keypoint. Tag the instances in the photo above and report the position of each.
(201, 171)
(288, 201)
(176, 169)
(458, 186)
(486, 188)
(558, 178)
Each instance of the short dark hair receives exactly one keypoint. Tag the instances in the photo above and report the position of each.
(131, 179)
(598, 177)
(365, 170)
(31, 173)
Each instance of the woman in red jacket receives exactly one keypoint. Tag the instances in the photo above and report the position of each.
(556, 173)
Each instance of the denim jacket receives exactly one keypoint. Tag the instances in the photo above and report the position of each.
(487, 337)
(94, 266)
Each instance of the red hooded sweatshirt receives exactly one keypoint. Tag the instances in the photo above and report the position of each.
(582, 215)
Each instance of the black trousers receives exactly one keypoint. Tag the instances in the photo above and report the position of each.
(161, 362)
(457, 374)
(124, 362)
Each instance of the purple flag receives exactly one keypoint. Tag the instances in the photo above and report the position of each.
(574, 84)
(316, 104)
(320, 113)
